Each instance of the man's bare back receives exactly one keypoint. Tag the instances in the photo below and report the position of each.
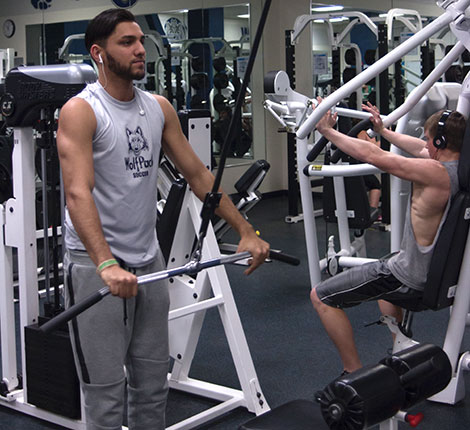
(428, 204)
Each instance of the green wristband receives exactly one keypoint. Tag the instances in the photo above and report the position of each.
(106, 263)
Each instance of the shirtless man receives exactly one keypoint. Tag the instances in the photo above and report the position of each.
(402, 278)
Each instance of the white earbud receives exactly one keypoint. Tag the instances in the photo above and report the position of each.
(100, 59)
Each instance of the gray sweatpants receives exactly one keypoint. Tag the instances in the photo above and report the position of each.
(115, 333)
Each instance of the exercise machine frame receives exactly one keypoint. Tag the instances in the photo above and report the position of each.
(454, 16)
(190, 298)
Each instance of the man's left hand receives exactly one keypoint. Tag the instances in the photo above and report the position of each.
(258, 248)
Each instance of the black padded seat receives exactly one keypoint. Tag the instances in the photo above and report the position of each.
(295, 415)
(251, 179)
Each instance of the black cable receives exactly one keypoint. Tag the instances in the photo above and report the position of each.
(212, 199)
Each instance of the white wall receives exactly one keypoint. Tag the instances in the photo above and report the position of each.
(232, 28)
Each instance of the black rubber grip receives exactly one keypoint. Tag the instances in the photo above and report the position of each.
(336, 156)
(73, 311)
(285, 258)
(365, 124)
(317, 149)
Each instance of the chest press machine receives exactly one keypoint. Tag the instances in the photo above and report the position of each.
(359, 400)
(30, 92)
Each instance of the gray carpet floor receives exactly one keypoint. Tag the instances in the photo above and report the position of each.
(292, 355)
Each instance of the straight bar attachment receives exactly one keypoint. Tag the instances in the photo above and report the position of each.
(190, 268)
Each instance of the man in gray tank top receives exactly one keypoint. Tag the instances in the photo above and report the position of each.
(401, 279)
(109, 140)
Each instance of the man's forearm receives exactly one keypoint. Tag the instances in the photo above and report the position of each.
(356, 148)
(87, 224)
(410, 144)
(226, 209)
(232, 215)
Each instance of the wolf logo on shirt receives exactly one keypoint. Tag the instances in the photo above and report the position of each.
(137, 141)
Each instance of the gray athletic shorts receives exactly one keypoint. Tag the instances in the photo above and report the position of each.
(368, 282)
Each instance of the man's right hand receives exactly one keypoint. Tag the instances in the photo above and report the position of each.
(375, 119)
(327, 121)
(121, 283)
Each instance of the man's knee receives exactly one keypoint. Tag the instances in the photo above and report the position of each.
(317, 303)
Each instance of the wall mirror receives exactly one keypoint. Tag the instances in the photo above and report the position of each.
(357, 48)
(195, 57)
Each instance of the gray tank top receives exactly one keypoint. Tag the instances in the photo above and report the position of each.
(126, 147)
(411, 264)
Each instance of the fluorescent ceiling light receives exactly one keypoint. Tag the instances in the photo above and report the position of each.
(339, 19)
(384, 15)
(245, 15)
(335, 19)
(331, 8)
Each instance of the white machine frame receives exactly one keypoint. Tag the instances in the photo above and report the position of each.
(294, 112)
(454, 16)
(405, 16)
(338, 41)
(190, 298)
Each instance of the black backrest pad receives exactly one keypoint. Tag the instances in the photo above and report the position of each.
(448, 253)
(252, 174)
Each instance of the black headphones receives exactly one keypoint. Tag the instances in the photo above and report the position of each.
(440, 138)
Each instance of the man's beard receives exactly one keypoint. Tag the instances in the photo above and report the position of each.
(122, 71)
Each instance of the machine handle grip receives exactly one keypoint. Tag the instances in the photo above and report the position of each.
(317, 148)
(189, 268)
(285, 258)
(336, 156)
(74, 310)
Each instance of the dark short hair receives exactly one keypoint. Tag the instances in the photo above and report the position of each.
(454, 129)
(103, 25)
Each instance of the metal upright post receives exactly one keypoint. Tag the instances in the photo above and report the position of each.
(399, 89)
(21, 230)
(336, 68)
(384, 107)
(7, 314)
(425, 61)
(292, 180)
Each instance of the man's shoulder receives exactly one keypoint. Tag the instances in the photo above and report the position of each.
(77, 112)
(160, 99)
(78, 106)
